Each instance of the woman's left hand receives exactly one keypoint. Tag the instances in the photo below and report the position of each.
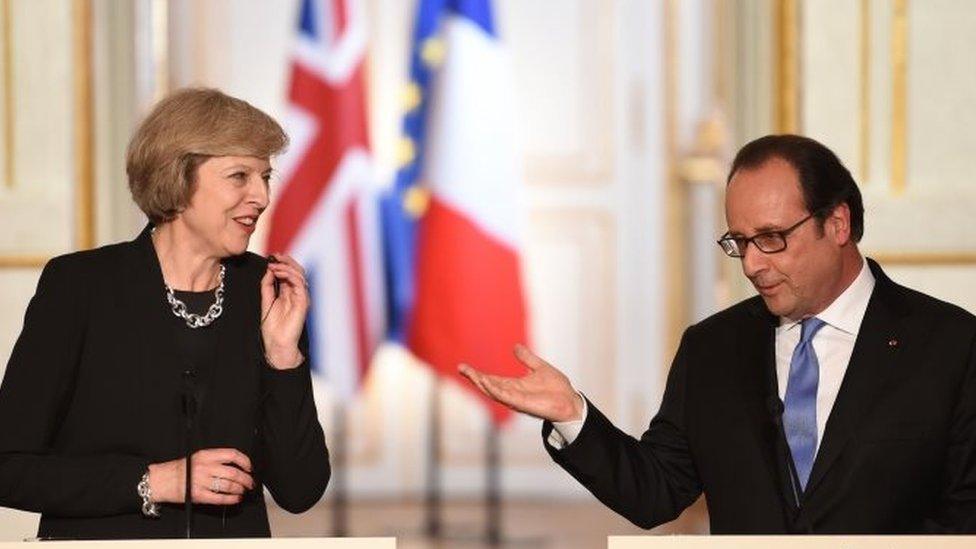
(283, 318)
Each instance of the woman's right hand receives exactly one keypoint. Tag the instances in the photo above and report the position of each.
(220, 477)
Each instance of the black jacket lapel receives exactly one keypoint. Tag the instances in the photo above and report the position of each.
(877, 357)
(149, 321)
(758, 348)
(147, 301)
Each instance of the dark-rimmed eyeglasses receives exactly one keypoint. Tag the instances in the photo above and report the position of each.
(769, 242)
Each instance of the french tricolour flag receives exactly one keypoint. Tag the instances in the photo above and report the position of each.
(454, 221)
(325, 212)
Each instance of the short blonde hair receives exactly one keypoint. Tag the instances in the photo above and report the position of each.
(181, 132)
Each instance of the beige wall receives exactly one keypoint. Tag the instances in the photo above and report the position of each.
(888, 85)
(884, 84)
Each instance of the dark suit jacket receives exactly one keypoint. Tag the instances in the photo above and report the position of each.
(898, 454)
(92, 395)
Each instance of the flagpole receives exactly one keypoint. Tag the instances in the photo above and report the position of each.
(340, 500)
(433, 526)
(493, 501)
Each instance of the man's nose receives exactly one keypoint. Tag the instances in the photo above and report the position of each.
(754, 261)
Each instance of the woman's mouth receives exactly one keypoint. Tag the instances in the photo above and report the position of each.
(247, 222)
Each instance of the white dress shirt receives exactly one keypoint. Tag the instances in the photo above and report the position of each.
(834, 344)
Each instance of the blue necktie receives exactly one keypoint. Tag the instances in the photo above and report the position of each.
(800, 406)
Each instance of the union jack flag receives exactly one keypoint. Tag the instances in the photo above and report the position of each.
(325, 211)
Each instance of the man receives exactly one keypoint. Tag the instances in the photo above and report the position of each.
(835, 401)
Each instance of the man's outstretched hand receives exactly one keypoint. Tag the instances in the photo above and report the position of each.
(544, 392)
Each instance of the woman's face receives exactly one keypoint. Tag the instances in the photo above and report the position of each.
(230, 194)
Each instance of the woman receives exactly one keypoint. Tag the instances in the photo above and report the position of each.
(127, 348)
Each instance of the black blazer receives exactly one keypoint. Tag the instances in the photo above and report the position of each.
(898, 454)
(92, 395)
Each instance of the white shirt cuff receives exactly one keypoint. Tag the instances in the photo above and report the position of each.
(565, 432)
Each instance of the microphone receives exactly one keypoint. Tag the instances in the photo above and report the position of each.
(776, 408)
(189, 414)
(277, 283)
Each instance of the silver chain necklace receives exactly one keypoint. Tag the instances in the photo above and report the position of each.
(194, 320)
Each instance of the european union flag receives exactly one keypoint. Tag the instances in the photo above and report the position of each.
(403, 205)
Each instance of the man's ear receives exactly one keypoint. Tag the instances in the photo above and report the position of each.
(838, 224)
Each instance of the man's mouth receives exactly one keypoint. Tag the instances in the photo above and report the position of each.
(766, 289)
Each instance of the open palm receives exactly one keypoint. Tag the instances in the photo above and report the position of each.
(544, 392)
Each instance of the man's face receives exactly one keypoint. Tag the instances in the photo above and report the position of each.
(801, 280)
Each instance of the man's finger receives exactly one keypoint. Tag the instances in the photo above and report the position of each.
(477, 377)
(481, 387)
(498, 390)
(474, 376)
(492, 390)
(483, 381)
(527, 357)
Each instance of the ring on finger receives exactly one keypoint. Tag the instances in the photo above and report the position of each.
(215, 485)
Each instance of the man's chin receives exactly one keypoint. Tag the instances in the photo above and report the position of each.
(777, 306)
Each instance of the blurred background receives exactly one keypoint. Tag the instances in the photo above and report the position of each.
(625, 114)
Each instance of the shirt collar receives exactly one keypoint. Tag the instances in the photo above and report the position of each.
(847, 311)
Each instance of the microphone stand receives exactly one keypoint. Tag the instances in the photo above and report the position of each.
(776, 409)
(189, 412)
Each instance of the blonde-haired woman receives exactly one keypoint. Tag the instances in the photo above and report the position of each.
(125, 346)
